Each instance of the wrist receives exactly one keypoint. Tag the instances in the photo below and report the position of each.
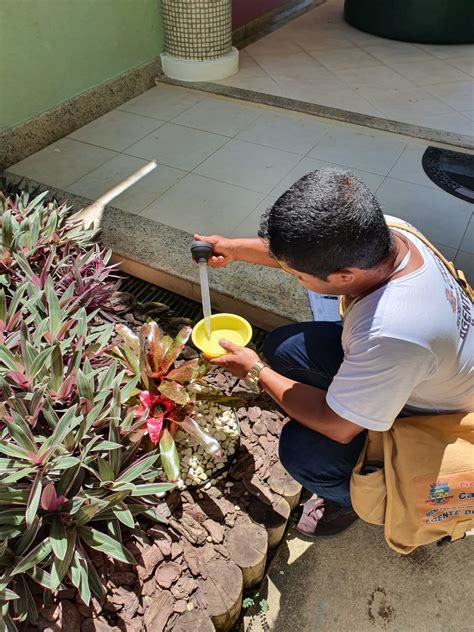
(252, 379)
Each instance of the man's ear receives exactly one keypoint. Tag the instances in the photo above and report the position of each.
(342, 277)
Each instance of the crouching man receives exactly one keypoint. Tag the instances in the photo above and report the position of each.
(405, 345)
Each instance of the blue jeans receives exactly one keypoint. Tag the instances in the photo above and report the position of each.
(311, 353)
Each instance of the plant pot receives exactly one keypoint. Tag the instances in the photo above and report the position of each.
(198, 40)
(424, 21)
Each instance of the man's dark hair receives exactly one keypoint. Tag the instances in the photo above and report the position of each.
(328, 220)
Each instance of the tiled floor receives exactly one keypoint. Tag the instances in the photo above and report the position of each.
(222, 162)
(319, 58)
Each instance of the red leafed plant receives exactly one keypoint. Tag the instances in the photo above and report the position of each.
(166, 393)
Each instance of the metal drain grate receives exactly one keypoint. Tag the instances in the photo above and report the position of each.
(451, 171)
(180, 306)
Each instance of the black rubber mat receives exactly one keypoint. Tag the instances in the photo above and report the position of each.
(452, 171)
(180, 306)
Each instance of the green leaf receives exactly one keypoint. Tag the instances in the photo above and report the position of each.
(8, 359)
(169, 456)
(106, 379)
(87, 512)
(18, 475)
(54, 309)
(106, 473)
(11, 496)
(152, 489)
(25, 606)
(8, 533)
(124, 515)
(12, 450)
(34, 557)
(94, 580)
(39, 363)
(3, 305)
(14, 517)
(106, 445)
(34, 498)
(28, 536)
(113, 500)
(66, 462)
(129, 390)
(58, 538)
(84, 386)
(57, 369)
(8, 595)
(20, 430)
(66, 424)
(60, 567)
(7, 230)
(104, 543)
(136, 469)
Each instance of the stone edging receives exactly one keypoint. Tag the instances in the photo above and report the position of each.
(458, 141)
(31, 136)
(160, 254)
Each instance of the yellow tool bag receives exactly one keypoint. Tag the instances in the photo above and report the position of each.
(417, 479)
(424, 488)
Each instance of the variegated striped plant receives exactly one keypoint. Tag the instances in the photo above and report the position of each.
(71, 479)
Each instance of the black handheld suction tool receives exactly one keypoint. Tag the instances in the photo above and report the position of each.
(201, 251)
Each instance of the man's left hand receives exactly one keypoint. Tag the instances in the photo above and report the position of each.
(238, 360)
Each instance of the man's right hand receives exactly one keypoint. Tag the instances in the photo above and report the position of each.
(223, 250)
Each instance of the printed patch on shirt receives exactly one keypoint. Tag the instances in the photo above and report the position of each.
(445, 497)
(451, 299)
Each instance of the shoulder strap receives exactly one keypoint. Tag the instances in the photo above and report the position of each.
(458, 275)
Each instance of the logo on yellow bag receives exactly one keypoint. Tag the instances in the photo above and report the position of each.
(439, 493)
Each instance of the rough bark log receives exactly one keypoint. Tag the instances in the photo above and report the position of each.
(282, 483)
(247, 544)
(223, 593)
(194, 621)
(274, 518)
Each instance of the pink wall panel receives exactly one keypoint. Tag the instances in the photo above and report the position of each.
(244, 11)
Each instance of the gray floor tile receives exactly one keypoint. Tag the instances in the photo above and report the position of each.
(137, 197)
(467, 243)
(62, 163)
(245, 164)
(198, 204)
(372, 180)
(177, 146)
(409, 167)
(428, 72)
(458, 94)
(116, 130)
(288, 132)
(465, 261)
(449, 253)
(442, 217)
(219, 116)
(369, 152)
(163, 102)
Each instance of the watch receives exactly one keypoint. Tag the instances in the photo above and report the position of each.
(251, 379)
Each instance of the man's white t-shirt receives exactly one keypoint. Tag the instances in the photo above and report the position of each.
(408, 344)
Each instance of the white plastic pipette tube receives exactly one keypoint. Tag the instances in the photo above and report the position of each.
(205, 297)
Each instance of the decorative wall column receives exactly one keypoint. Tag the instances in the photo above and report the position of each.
(198, 40)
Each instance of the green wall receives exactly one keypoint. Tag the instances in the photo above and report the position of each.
(52, 50)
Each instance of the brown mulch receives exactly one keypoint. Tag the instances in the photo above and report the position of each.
(185, 573)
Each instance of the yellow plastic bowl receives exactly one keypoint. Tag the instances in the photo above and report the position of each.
(228, 326)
